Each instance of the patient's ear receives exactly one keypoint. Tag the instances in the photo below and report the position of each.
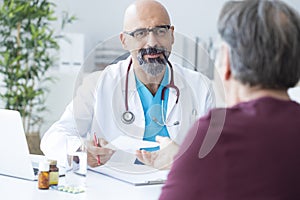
(226, 62)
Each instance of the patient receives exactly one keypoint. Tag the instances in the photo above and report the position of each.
(249, 150)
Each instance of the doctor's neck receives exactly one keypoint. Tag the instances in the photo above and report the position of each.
(151, 82)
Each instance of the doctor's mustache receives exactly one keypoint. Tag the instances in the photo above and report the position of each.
(151, 51)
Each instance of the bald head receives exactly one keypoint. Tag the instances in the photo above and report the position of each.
(145, 13)
(148, 52)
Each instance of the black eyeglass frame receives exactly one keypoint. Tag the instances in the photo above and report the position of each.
(148, 30)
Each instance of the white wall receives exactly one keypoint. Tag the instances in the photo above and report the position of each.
(101, 19)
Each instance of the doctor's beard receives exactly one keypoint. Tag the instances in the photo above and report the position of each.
(152, 66)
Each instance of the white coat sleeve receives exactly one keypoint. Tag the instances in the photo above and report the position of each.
(76, 120)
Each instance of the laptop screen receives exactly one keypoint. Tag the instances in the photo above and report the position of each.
(14, 153)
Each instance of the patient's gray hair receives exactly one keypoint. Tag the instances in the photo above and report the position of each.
(264, 40)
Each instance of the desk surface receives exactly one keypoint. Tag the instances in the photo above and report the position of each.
(98, 187)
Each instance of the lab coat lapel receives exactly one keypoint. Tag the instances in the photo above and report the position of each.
(173, 97)
(171, 103)
(135, 104)
(176, 114)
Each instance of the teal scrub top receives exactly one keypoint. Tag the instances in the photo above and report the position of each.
(152, 110)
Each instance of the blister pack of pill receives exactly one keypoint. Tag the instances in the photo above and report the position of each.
(69, 189)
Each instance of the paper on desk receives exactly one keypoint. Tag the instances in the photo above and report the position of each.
(132, 173)
(129, 144)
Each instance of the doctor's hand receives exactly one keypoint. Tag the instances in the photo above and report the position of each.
(161, 159)
(94, 151)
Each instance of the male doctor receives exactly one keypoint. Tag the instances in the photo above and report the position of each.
(143, 97)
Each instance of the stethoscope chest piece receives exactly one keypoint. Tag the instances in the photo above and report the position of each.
(128, 117)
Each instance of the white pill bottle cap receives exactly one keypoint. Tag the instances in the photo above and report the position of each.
(43, 166)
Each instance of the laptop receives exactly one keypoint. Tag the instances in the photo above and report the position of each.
(14, 153)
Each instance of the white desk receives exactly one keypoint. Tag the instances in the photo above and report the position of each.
(98, 187)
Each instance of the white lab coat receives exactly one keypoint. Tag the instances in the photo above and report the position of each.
(100, 102)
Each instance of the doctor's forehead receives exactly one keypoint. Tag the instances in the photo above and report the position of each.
(145, 14)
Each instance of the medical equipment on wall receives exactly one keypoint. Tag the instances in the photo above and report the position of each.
(128, 117)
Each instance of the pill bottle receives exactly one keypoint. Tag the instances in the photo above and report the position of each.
(53, 173)
(43, 177)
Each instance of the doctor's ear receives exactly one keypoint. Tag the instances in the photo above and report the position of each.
(123, 41)
(172, 34)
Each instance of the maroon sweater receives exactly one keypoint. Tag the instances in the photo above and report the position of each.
(256, 155)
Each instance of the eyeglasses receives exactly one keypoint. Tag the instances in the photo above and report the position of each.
(159, 31)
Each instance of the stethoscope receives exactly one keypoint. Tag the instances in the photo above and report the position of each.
(128, 117)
